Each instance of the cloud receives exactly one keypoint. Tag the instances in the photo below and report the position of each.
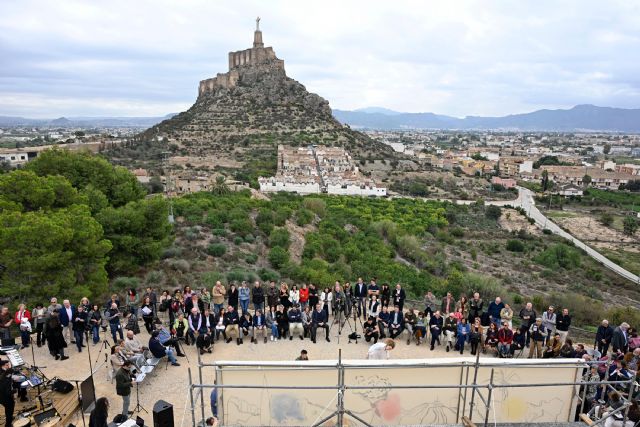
(468, 57)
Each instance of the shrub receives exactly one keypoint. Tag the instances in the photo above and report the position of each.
(251, 258)
(238, 240)
(546, 231)
(216, 249)
(606, 219)
(279, 237)
(515, 246)
(219, 232)
(249, 238)
(124, 283)
(237, 275)
(241, 226)
(210, 278)
(304, 217)
(627, 314)
(457, 232)
(317, 206)
(268, 275)
(154, 278)
(181, 265)
(493, 212)
(278, 257)
(171, 252)
(557, 256)
(517, 299)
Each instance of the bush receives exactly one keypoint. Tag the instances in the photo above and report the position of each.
(241, 226)
(457, 232)
(606, 219)
(216, 249)
(559, 256)
(210, 278)
(238, 240)
(627, 314)
(304, 217)
(493, 212)
(123, 283)
(251, 258)
(181, 265)
(515, 246)
(249, 238)
(278, 257)
(237, 275)
(219, 232)
(279, 237)
(546, 231)
(268, 275)
(154, 278)
(171, 252)
(317, 206)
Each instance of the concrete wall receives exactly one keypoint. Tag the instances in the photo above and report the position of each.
(273, 186)
(356, 190)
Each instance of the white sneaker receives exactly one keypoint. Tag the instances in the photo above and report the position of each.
(271, 337)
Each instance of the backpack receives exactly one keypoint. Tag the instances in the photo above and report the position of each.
(62, 386)
(132, 324)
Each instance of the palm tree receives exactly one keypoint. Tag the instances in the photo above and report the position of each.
(220, 188)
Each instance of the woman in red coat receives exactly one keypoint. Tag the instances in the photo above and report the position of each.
(23, 320)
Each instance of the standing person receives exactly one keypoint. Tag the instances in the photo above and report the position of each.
(233, 296)
(563, 321)
(6, 391)
(23, 320)
(475, 307)
(124, 383)
(66, 316)
(257, 297)
(620, 338)
(39, 316)
(100, 414)
(360, 293)
(53, 306)
(217, 295)
(373, 289)
(273, 294)
(603, 337)
(95, 320)
(313, 296)
(55, 338)
(153, 300)
(132, 301)
(80, 326)
(538, 334)
(527, 318)
(494, 310)
(462, 307)
(205, 297)
(448, 304)
(399, 295)
(84, 302)
(285, 298)
(506, 315)
(147, 311)
(385, 295)
(244, 295)
(475, 337)
(113, 317)
(304, 296)
(380, 351)
(294, 295)
(325, 299)
(429, 304)
(549, 322)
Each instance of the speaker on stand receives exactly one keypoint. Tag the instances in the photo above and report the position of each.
(162, 414)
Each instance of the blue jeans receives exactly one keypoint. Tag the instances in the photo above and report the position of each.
(170, 356)
(217, 307)
(78, 336)
(95, 329)
(274, 330)
(115, 328)
(244, 304)
(259, 306)
(25, 338)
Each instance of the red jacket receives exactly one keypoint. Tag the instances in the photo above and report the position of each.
(304, 295)
(16, 317)
(505, 336)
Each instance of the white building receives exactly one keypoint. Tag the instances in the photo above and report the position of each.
(274, 185)
(526, 166)
(354, 189)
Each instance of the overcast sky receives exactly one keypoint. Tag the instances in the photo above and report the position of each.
(145, 58)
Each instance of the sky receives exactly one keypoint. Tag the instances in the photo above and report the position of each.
(464, 57)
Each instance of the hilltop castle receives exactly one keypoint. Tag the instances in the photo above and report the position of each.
(258, 56)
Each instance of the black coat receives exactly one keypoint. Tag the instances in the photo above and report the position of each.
(604, 333)
(233, 297)
(257, 295)
(55, 339)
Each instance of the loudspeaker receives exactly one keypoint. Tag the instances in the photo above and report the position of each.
(162, 414)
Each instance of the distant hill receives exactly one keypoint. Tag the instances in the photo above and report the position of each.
(578, 118)
(135, 122)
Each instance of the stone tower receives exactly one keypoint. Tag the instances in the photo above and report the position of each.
(258, 56)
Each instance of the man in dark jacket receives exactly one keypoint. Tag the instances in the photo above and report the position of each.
(396, 323)
(159, 351)
(80, 321)
(494, 309)
(620, 339)
(6, 391)
(603, 337)
(257, 297)
(435, 326)
(295, 322)
(273, 295)
(527, 318)
(563, 321)
(360, 294)
(259, 326)
(319, 320)
(475, 307)
(399, 295)
(124, 385)
(231, 323)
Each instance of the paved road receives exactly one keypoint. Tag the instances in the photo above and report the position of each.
(525, 200)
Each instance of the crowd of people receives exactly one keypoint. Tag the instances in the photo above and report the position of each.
(265, 311)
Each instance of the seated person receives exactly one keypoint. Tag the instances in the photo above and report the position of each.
(553, 347)
(231, 324)
(450, 328)
(580, 351)
(319, 320)
(272, 323)
(505, 338)
(295, 322)
(463, 331)
(194, 320)
(283, 321)
(384, 319)
(132, 345)
(307, 320)
(259, 326)
(567, 351)
(246, 323)
(206, 333)
(181, 326)
(409, 323)
(167, 340)
(420, 328)
(371, 330)
(435, 326)
(491, 341)
(159, 351)
(137, 359)
(396, 323)
(220, 327)
(518, 342)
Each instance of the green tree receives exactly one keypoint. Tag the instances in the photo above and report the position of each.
(606, 219)
(278, 257)
(586, 180)
(606, 149)
(279, 237)
(630, 225)
(220, 188)
(545, 180)
(493, 212)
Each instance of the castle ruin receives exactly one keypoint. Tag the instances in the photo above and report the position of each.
(256, 56)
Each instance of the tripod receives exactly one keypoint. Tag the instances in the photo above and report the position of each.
(138, 408)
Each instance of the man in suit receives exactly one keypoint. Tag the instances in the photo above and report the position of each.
(435, 326)
(360, 294)
(396, 324)
(67, 314)
(319, 320)
(399, 296)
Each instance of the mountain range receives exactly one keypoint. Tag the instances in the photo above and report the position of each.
(576, 119)
(128, 122)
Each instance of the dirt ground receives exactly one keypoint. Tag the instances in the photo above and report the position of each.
(511, 220)
(171, 383)
(590, 230)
